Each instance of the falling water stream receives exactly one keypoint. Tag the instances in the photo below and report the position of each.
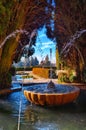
(70, 44)
(72, 40)
(13, 34)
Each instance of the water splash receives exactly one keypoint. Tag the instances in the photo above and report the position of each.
(13, 34)
(39, 47)
(34, 33)
(72, 40)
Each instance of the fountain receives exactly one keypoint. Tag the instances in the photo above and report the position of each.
(54, 94)
(51, 94)
(45, 94)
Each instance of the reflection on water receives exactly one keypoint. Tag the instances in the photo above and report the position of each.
(68, 117)
(60, 118)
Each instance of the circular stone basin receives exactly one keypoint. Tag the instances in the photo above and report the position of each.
(40, 94)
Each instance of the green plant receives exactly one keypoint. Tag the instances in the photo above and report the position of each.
(27, 76)
(63, 77)
(42, 72)
(22, 69)
(72, 78)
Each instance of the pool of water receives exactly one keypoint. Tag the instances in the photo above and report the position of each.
(42, 88)
(68, 117)
(22, 77)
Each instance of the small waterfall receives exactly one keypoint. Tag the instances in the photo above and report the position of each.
(13, 34)
(72, 40)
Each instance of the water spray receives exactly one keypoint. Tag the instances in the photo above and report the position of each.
(13, 34)
(72, 40)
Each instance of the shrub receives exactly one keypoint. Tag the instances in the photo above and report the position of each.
(27, 76)
(26, 69)
(72, 78)
(42, 72)
(67, 77)
(62, 77)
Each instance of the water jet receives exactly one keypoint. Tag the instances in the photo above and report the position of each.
(51, 95)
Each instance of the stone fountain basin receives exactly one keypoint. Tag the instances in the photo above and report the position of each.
(52, 98)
